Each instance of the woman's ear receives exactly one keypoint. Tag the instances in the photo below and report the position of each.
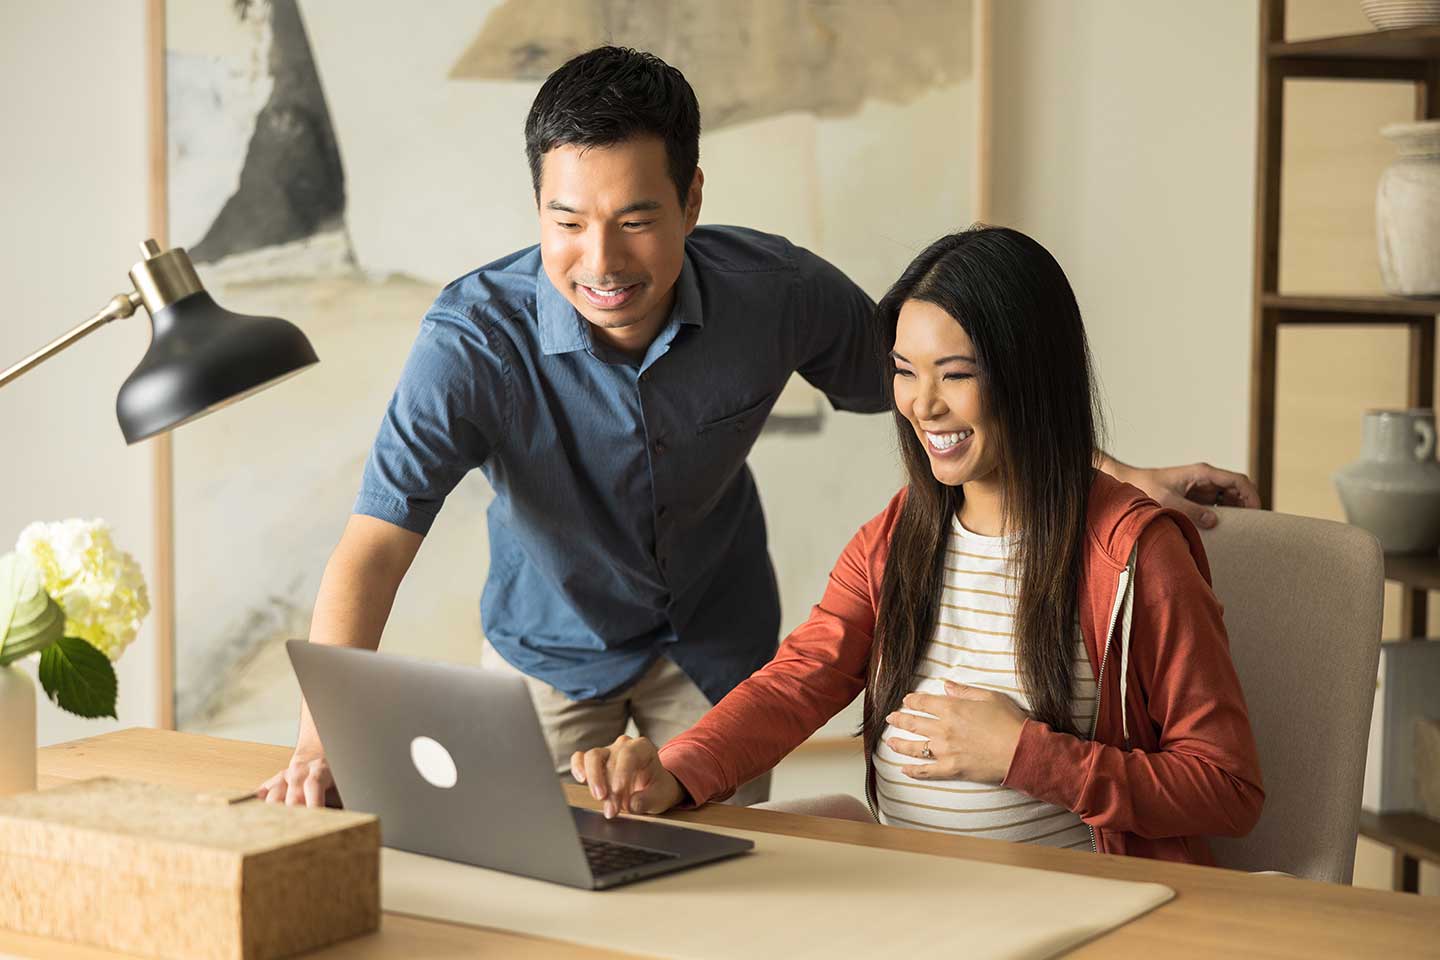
(693, 199)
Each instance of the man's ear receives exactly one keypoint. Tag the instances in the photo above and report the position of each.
(692, 200)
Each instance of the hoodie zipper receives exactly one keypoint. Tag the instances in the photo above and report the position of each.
(870, 786)
(1100, 683)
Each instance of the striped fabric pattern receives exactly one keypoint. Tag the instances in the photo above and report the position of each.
(974, 644)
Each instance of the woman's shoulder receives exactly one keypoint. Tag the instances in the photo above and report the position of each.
(877, 530)
(871, 543)
(1121, 516)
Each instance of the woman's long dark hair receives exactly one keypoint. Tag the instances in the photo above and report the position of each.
(1035, 377)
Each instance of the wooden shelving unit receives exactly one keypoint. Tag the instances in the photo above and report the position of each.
(1403, 56)
(1413, 837)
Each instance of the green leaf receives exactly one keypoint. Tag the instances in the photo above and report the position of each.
(78, 678)
(29, 619)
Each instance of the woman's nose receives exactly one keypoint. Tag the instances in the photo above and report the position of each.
(928, 404)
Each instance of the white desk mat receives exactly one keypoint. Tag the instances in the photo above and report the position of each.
(789, 897)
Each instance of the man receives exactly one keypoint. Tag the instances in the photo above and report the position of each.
(610, 383)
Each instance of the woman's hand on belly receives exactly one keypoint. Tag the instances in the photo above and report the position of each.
(971, 734)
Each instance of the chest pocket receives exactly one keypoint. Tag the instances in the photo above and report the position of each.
(740, 420)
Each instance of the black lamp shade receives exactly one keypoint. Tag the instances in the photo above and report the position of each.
(202, 357)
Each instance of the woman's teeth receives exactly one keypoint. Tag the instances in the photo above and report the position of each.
(944, 441)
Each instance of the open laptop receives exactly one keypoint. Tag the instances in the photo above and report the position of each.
(453, 761)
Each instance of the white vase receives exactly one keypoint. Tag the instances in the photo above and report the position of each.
(1400, 14)
(17, 731)
(1393, 490)
(1407, 211)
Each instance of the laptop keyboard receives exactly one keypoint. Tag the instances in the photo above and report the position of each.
(606, 857)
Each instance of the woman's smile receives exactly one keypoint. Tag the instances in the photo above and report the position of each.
(947, 445)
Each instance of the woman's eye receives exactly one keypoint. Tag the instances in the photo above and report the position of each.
(904, 373)
(958, 376)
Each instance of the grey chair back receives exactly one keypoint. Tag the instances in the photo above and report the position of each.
(1303, 603)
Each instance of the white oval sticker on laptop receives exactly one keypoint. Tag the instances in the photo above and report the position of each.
(434, 762)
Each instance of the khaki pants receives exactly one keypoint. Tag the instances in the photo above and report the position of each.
(663, 703)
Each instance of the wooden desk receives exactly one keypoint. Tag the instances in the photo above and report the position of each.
(1215, 912)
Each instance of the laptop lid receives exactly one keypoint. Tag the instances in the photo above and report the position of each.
(451, 758)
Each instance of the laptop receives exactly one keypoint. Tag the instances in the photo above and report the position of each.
(453, 761)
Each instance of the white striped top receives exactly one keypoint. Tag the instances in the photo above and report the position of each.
(974, 644)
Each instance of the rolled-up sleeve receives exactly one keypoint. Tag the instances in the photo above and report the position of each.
(448, 413)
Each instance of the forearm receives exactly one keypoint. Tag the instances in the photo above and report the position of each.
(353, 604)
(750, 731)
(357, 592)
(815, 674)
(1165, 793)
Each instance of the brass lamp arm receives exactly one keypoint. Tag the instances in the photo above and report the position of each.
(121, 305)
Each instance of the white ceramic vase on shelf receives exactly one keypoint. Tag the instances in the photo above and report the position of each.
(17, 731)
(1393, 490)
(1401, 14)
(1407, 211)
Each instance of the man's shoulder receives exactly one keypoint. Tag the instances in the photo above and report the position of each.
(717, 248)
(491, 294)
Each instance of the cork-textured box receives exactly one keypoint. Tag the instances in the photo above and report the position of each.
(162, 872)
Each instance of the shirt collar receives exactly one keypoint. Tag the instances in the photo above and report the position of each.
(563, 330)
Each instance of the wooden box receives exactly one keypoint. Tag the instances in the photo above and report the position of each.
(162, 872)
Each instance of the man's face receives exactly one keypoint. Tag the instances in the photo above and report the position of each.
(612, 234)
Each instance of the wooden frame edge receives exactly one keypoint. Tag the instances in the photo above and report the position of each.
(982, 45)
(162, 450)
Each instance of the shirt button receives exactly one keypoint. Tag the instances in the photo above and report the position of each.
(659, 447)
(660, 511)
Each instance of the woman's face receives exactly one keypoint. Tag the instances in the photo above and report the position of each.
(937, 388)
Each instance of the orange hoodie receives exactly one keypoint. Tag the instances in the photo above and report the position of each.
(1179, 765)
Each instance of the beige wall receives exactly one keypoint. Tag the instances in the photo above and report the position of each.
(74, 209)
(1130, 157)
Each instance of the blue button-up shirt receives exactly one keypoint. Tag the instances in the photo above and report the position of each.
(626, 524)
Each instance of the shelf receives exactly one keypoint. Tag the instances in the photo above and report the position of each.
(1419, 572)
(1412, 834)
(1415, 43)
(1349, 310)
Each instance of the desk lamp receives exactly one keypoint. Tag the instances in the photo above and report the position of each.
(202, 357)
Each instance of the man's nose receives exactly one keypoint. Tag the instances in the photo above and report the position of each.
(604, 254)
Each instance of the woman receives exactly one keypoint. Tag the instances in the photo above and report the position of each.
(1042, 657)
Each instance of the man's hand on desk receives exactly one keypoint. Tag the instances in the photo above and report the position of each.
(306, 781)
(627, 775)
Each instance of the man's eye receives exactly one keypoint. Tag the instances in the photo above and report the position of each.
(635, 224)
(567, 226)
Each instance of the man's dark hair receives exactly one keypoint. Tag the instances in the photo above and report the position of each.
(612, 94)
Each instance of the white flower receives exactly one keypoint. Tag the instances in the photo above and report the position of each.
(99, 586)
